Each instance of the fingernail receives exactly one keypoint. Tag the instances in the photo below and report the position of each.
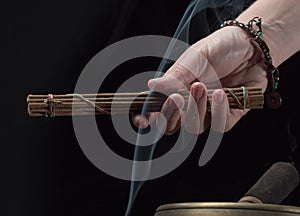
(198, 92)
(139, 122)
(219, 97)
(144, 124)
(171, 104)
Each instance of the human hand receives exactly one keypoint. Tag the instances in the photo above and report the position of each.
(226, 58)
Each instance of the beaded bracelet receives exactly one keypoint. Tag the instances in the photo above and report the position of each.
(254, 30)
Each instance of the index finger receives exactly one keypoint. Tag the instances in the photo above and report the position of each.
(187, 69)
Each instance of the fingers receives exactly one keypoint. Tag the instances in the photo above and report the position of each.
(178, 78)
(143, 122)
(169, 118)
(196, 115)
(171, 110)
(195, 118)
(188, 68)
(140, 121)
(219, 111)
(221, 117)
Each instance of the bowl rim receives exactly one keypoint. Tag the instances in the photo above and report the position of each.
(229, 205)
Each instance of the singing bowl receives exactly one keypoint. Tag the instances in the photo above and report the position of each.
(226, 209)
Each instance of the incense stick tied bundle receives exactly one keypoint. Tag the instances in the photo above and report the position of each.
(121, 103)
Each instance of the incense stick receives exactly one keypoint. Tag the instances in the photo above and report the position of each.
(121, 103)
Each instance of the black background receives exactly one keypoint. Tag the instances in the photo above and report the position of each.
(45, 45)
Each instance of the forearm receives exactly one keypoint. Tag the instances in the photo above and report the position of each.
(280, 26)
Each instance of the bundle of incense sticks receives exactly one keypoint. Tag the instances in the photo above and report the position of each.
(52, 105)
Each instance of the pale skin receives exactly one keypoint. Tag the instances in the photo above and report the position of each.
(229, 57)
(229, 54)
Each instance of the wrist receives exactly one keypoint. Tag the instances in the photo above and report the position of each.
(282, 45)
(280, 26)
(254, 31)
